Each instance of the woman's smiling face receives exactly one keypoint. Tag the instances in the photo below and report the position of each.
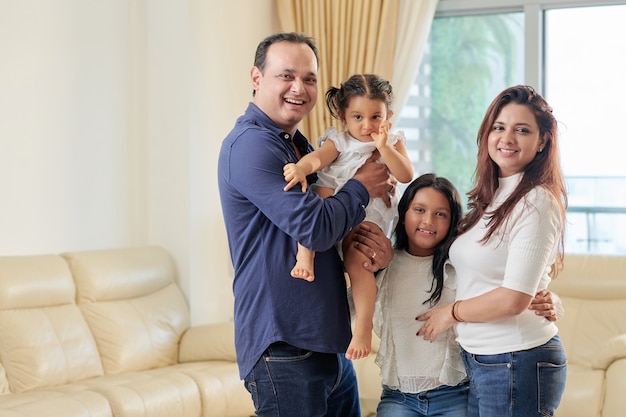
(514, 139)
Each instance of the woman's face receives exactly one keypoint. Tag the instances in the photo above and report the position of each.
(427, 221)
(514, 139)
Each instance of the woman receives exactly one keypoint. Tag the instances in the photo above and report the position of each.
(509, 246)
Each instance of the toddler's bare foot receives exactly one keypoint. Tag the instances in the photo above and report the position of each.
(302, 272)
(303, 269)
(360, 346)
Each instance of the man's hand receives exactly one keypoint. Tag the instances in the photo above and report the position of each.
(377, 179)
(372, 242)
(547, 304)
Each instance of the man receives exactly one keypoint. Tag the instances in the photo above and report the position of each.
(291, 334)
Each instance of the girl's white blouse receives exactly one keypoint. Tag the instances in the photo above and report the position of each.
(408, 362)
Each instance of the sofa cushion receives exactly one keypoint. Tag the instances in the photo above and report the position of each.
(4, 383)
(223, 393)
(588, 327)
(583, 392)
(53, 403)
(593, 292)
(45, 339)
(162, 392)
(132, 304)
(214, 341)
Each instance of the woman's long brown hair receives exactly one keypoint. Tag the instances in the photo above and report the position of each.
(543, 171)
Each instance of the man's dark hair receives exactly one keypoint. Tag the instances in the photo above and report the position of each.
(261, 51)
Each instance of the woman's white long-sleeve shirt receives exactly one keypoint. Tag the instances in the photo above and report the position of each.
(408, 362)
(517, 257)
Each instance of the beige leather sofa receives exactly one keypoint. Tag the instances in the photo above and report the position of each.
(593, 331)
(107, 334)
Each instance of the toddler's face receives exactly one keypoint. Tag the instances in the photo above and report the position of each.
(363, 117)
(427, 221)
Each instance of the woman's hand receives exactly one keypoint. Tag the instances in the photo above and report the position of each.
(373, 243)
(436, 321)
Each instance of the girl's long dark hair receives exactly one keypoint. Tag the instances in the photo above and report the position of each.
(440, 257)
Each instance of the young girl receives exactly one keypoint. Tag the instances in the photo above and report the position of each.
(420, 378)
(510, 245)
(363, 104)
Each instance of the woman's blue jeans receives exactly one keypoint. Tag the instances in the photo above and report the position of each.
(443, 401)
(517, 384)
(291, 382)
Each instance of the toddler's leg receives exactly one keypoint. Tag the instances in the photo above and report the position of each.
(305, 258)
(364, 294)
(304, 264)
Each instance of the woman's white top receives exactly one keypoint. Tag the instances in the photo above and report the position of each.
(352, 154)
(408, 362)
(517, 257)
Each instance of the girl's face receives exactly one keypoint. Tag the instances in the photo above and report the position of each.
(514, 139)
(363, 117)
(427, 221)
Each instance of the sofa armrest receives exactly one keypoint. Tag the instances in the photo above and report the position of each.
(614, 349)
(614, 398)
(208, 342)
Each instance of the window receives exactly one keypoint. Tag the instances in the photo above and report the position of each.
(573, 56)
(585, 83)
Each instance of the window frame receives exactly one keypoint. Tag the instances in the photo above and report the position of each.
(534, 59)
(533, 23)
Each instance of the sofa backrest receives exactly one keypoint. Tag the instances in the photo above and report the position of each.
(593, 290)
(44, 339)
(131, 302)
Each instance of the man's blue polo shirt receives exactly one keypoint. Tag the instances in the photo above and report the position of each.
(263, 224)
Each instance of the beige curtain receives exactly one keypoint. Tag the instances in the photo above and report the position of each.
(415, 19)
(385, 37)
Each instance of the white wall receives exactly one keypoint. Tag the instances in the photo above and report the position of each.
(64, 125)
(111, 117)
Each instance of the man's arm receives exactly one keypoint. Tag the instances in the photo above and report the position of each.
(308, 164)
(256, 172)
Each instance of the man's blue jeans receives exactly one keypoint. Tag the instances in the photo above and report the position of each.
(517, 384)
(443, 401)
(291, 382)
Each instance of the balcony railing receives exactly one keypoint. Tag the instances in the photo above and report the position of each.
(602, 202)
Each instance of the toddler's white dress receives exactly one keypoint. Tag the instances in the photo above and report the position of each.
(352, 154)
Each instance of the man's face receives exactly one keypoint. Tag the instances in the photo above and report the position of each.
(286, 90)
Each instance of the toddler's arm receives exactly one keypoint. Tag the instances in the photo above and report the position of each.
(294, 174)
(396, 157)
(308, 164)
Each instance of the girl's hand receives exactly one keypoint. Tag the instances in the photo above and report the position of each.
(380, 138)
(437, 321)
(293, 175)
